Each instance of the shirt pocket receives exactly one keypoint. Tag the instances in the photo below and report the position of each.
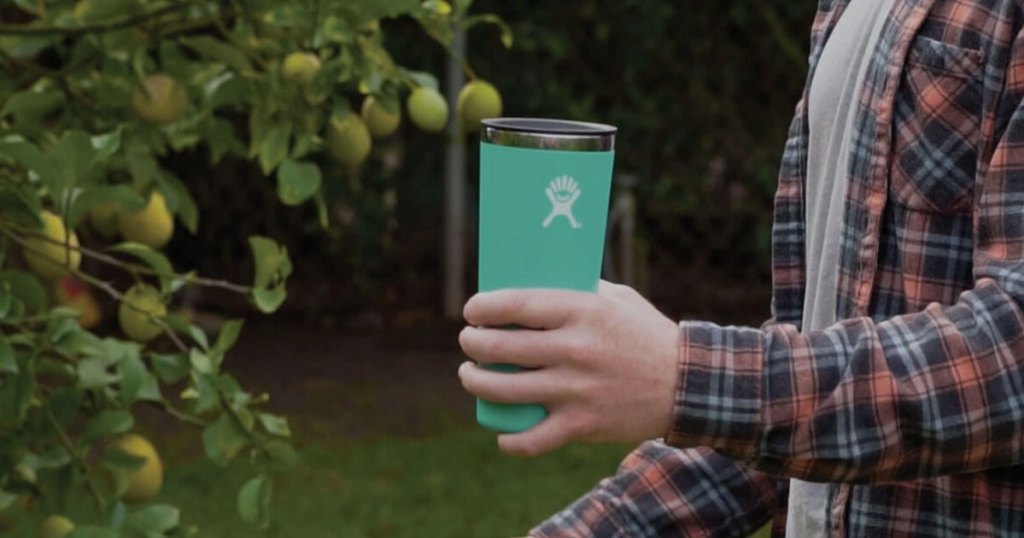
(937, 127)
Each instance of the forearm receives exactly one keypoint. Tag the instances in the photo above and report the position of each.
(917, 396)
(661, 492)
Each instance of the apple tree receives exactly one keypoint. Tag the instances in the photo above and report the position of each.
(95, 96)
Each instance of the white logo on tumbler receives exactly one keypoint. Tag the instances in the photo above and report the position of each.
(563, 193)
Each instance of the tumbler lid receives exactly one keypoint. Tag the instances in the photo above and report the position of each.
(539, 133)
(549, 126)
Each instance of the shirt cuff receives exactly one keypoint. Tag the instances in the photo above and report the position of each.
(598, 511)
(719, 394)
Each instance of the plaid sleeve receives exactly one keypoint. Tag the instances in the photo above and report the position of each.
(931, 393)
(664, 492)
(923, 395)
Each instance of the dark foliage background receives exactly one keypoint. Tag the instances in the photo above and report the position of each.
(702, 93)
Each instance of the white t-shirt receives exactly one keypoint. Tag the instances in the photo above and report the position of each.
(832, 99)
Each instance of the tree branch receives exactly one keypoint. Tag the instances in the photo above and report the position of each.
(106, 287)
(99, 27)
(136, 268)
(177, 413)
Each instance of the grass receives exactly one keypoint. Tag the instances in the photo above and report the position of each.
(453, 485)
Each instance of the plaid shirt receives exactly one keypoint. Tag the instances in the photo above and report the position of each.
(913, 405)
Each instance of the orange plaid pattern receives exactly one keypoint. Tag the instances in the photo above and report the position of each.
(913, 405)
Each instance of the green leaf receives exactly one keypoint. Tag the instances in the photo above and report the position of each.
(106, 423)
(180, 201)
(158, 518)
(153, 258)
(8, 364)
(16, 392)
(228, 336)
(105, 145)
(297, 181)
(117, 459)
(423, 79)
(305, 144)
(93, 373)
(271, 260)
(180, 138)
(438, 27)
(16, 311)
(243, 415)
(269, 300)
(60, 483)
(201, 362)
(221, 140)
(254, 502)
(372, 81)
(133, 374)
(281, 452)
(337, 29)
(26, 288)
(31, 105)
(274, 148)
(142, 166)
(386, 9)
(170, 368)
(75, 155)
(54, 457)
(219, 51)
(94, 11)
(149, 389)
(54, 369)
(180, 324)
(64, 404)
(223, 440)
(6, 299)
(274, 424)
(29, 156)
(437, 6)
(229, 90)
(86, 199)
(63, 324)
(272, 263)
(19, 203)
(7, 499)
(205, 392)
(462, 6)
(341, 108)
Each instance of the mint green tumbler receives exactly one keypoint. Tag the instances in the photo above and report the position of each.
(544, 189)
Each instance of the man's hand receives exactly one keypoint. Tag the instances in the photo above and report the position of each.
(604, 365)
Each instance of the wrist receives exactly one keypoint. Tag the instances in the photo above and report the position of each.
(718, 396)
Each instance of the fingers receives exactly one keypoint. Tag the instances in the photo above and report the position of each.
(526, 386)
(550, 434)
(523, 347)
(536, 309)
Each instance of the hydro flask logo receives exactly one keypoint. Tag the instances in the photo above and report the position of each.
(563, 193)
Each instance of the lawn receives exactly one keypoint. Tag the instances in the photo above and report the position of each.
(452, 485)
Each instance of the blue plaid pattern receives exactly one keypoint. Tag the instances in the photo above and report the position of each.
(913, 405)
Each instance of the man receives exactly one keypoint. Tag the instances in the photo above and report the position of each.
(889, 383)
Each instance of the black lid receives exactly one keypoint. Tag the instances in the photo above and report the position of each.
(546, 126)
